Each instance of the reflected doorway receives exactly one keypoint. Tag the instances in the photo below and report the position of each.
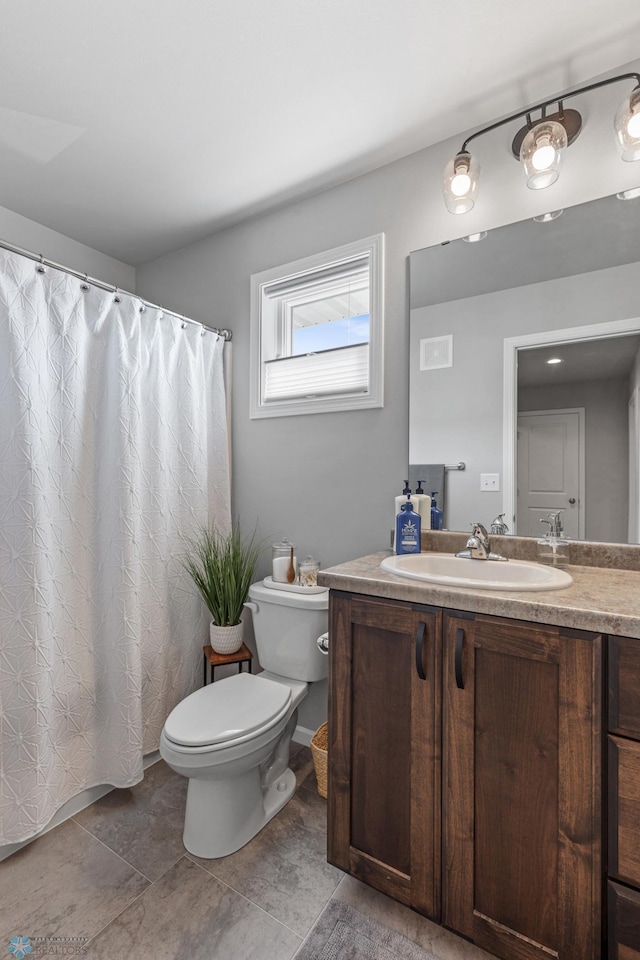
(550, 458)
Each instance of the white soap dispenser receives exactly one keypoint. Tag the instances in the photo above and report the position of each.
(422, 505)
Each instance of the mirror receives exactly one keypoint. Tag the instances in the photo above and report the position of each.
(484, 319)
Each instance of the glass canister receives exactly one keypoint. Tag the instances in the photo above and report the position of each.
(283, 557)
(308, 572)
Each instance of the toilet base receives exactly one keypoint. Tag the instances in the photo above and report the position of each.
(224, 815)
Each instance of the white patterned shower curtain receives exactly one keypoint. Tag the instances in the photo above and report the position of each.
(113, 452)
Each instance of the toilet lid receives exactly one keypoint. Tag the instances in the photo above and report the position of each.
(226, 710)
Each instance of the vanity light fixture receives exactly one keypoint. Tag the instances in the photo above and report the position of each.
(554, 360)
(541, 144)
(474, 237)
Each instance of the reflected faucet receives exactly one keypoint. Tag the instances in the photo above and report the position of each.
(479, 546)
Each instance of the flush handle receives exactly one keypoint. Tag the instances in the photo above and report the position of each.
(458, 660)
(323, 643)
(420, 650)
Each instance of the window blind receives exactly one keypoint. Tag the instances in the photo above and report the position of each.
(340, 370)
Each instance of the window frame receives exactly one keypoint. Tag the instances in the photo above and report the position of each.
(278, 284)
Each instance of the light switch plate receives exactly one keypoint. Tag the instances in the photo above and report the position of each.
(490, 481)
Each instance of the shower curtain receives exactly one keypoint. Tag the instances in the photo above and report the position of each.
(113, 453)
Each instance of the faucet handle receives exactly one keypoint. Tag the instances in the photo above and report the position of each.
(478, 530)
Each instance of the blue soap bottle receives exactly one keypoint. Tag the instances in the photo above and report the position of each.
(436, 513)
(408, 529)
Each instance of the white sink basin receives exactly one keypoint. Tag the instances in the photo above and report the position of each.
(452, 571)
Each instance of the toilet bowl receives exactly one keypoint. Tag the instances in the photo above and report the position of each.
(232, 738)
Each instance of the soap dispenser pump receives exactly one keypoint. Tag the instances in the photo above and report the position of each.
(553, 548)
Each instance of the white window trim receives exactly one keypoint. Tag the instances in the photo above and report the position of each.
(373, 247)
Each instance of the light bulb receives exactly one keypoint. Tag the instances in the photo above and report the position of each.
(542, 153)
(460, 183)
(627, 127)
(633, 125)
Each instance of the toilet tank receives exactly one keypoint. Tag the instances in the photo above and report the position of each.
(287, 625)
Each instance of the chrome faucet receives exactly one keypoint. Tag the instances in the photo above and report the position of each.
(478, 545)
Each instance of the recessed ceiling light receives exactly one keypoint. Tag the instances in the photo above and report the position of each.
(554, 360)
(474, 237)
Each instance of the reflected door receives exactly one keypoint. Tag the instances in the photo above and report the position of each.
(550, 470)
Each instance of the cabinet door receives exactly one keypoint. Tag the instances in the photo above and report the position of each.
(624, 687)
(624, 923)
(521, 768)
(624, 810)
(384, 746)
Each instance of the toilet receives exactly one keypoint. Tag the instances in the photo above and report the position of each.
(232, 737)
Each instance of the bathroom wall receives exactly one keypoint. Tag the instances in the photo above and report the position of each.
(327, 481)
(37, 238)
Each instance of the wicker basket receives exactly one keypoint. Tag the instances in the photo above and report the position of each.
(319, 749)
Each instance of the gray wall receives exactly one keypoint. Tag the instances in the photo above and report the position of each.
(35, 237)
(456, 413)
(328, 480)
(606, 405)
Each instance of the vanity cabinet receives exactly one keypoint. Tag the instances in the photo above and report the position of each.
(624, 799)
(521, 768)
(384, 752)
(464, 764)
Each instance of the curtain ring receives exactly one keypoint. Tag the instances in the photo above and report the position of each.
(85, 284)
(184, 326)
(142, 308)
(40, 267)
(202, 332)
(116, 298)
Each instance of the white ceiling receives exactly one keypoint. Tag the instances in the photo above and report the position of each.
(137, 126)
(606, 359)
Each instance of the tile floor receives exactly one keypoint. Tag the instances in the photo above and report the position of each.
(118, 875)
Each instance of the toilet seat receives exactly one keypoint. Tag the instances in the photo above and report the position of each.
(231, 710)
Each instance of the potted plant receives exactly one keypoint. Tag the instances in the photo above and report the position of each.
(222, 566)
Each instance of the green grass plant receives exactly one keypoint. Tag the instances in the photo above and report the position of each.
(223, 566)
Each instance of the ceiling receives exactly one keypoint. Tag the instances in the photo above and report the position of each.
(137, 128)
(605, 359)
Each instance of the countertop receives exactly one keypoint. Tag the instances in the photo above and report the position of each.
(602, 600)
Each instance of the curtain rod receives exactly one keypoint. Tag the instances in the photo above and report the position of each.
(225, 334)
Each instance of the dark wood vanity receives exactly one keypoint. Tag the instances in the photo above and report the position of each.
(484, 769)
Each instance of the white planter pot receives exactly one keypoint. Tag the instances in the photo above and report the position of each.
(226, 639)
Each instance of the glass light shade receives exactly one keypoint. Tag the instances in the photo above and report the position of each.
(460, 183)
(542, 153)
(632, 194)
(627, 127)
(547, 217)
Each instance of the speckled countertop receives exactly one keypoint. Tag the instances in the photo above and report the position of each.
(601, 599)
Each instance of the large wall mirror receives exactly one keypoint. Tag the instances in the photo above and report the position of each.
(487, 318)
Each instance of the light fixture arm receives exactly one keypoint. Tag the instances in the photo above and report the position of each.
(545, 103)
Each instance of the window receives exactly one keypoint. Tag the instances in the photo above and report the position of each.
(317, 333)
